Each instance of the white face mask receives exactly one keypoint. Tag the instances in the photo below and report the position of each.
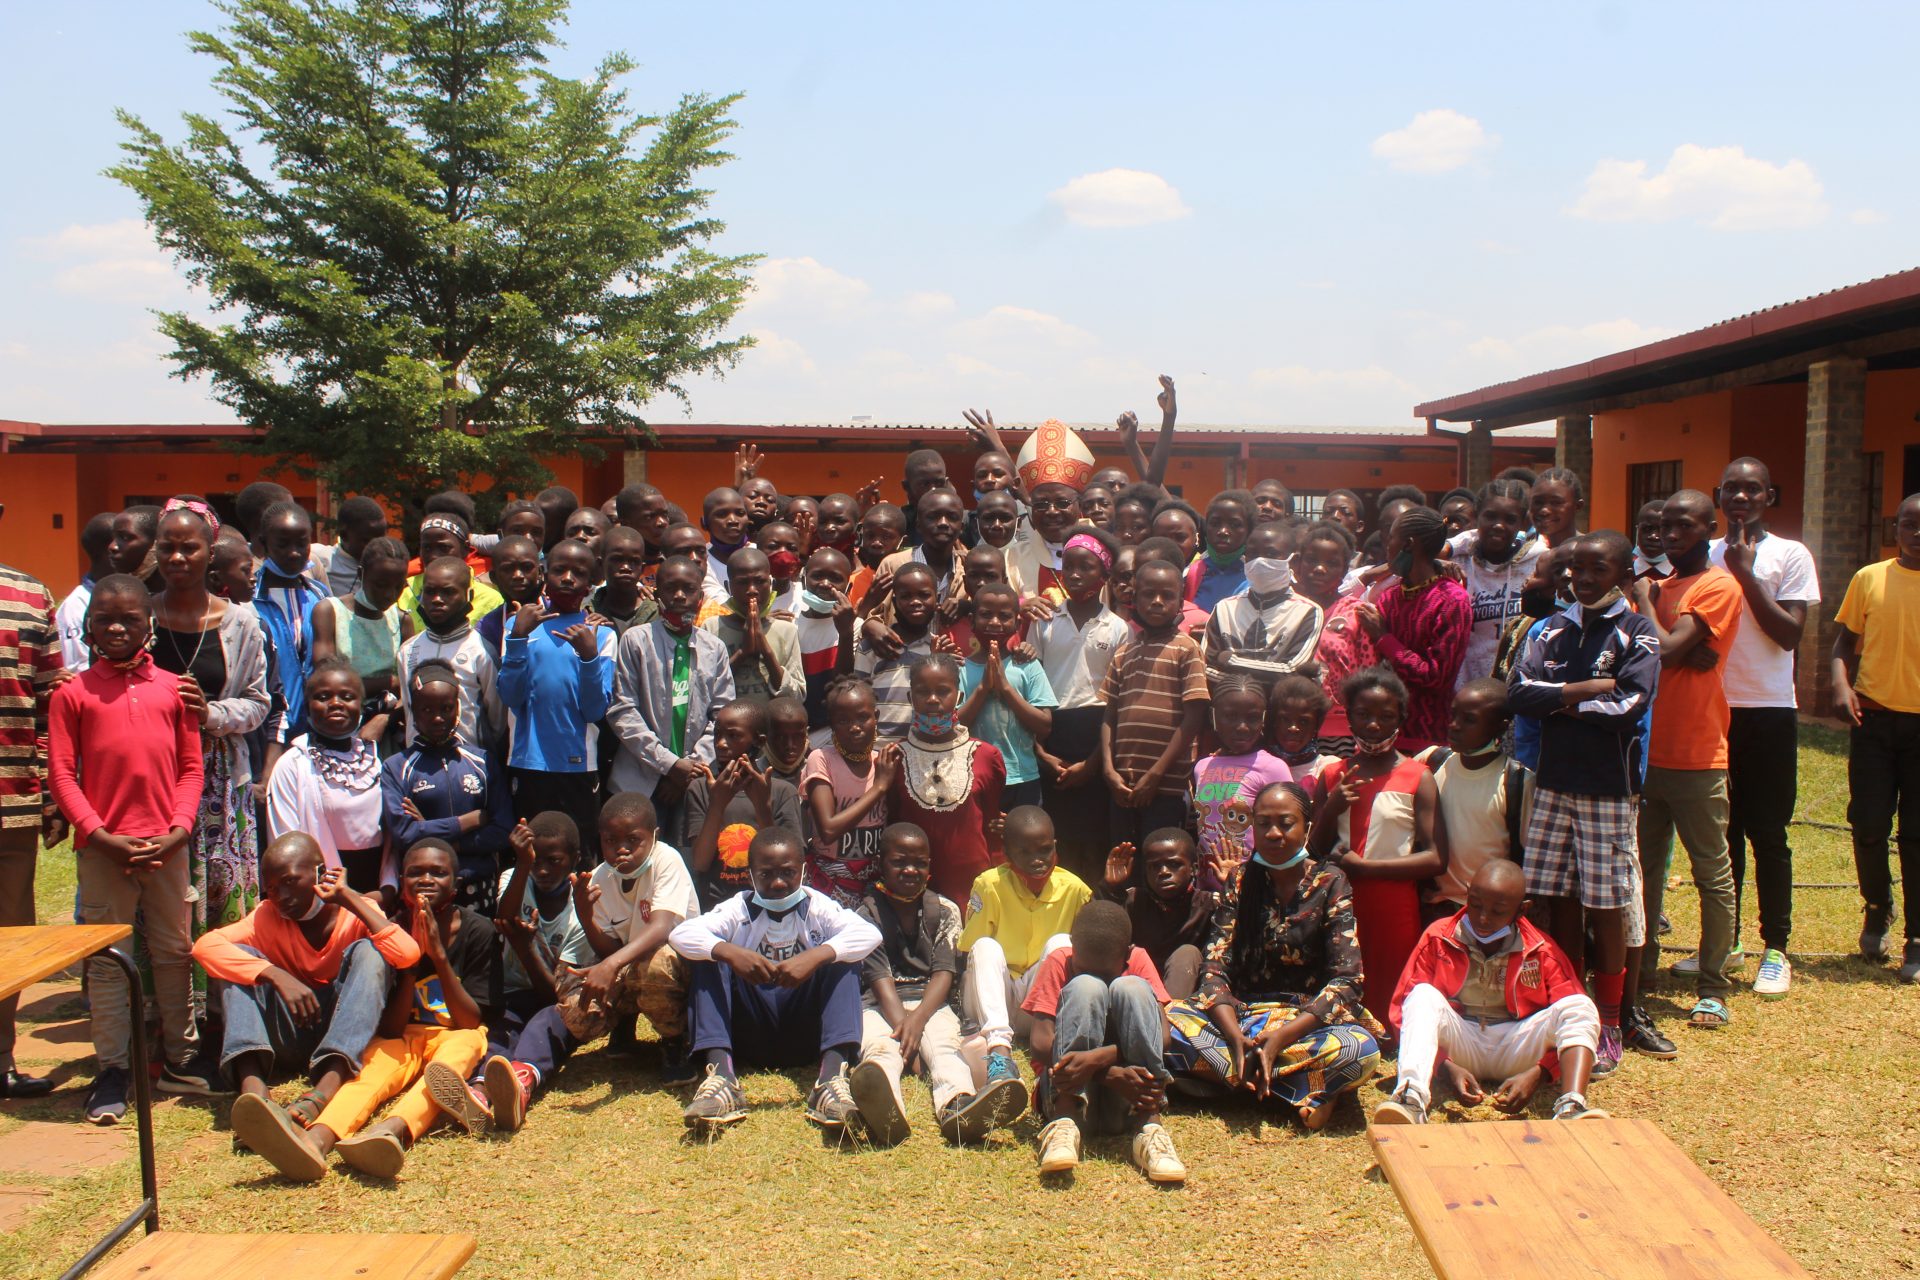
(313, 910)
(1268, 574)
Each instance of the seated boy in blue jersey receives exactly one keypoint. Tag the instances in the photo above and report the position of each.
(775, 979)
(441, 789)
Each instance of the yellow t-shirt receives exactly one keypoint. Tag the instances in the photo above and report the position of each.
(1882, 607)
(1001, 908)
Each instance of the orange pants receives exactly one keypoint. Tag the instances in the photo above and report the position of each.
(390, 1066)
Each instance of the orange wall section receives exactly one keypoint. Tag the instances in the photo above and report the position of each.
(40, 530)
(1893, 426)
(1695, 431)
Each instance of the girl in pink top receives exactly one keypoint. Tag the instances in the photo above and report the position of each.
(845, 789)
(1344, 647)
(1420, 625)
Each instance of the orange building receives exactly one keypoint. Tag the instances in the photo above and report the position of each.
(53, 478)
(1824, 390)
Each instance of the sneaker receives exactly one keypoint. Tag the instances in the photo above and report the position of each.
(378, 1153)
(1910, 963)
(1574, 1107)
(1000, 1066)
(467, 1105)
(677, 1067)
(970, 1117)
(1775, 975)
(879, 1109)
(1606, 1058)
(1689, 967)
(197, 1077)
(831, 1104)
(1873, 935)
(107, 1100)
(1060, 1146)
(509, 1087)
(1153, 1155)
(1640, 1035)
(264, 1128)
(718, 1101)
(1404, 1107)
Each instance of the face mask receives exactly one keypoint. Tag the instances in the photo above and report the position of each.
(778, 905)
(1608, 600)
(1225, 559)
(1035, 884)
(1537, 602)
(1380, 748)
(360, 598)
(676, 620)
(1486, 748)
(313, 910)
(1485, 939)
(1402, 564)
(723, 550)
(1642, 563)
(1299, 857)
(1268, 574)
(910, 898)
(784, 564)
(816, 604)
(933, 724)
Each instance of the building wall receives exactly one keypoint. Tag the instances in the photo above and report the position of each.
(40, 532)
(1892, 427)
(1694, 431)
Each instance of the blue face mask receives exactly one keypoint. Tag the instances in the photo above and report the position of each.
(778, 905)
(1294, 861)
(1488, 939)
(933, 724)
(816, 604)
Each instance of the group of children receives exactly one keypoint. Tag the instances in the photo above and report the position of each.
(1185, 801)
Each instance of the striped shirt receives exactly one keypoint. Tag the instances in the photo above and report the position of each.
(1148, 686)
(892, 679)
(29, 661)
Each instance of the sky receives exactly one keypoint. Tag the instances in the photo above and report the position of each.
(1307, 215)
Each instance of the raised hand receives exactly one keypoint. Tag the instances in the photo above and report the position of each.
(868, 494)
(1739, 551)
(1224, 857)
(1119, 866)
(521, 840)
(980, 429)
(746, 464)
(331, 886)
(530, 616)
(585, 639)
(1168, 409)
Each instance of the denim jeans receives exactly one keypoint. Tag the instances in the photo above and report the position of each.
(258, 1020)
(1093, 1014)
(1883, 774)
(1763, 768)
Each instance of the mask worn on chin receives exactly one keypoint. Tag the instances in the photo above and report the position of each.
(784, 564)
(909, 899)
(1485, 939)
(845, 546)
(1269, 574)
(723, 550)
(1380, 748)
(816, 604)
(1035, 884)
(1486, 748)
(1644, 563)
(1538, 602)
(1299, 857)
(313, 910)
(678, 621)
(933, 724)
(779, 905)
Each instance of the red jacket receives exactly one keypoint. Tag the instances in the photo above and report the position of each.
(1538, 974)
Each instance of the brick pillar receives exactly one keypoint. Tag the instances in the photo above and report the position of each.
(1834, 507)
(1573, 449)
(1477, 460)
(633, 465)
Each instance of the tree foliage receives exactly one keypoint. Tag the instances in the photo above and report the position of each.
(432, 261)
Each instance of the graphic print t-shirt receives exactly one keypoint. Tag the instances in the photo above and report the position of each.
(473, 953)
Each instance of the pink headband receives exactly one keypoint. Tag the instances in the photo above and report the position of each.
(200, 509)
(1086, 542)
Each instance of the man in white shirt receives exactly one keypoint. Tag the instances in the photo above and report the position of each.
(1778, 579)
(70, 620)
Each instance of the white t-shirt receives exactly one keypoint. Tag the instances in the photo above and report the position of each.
(1757, 672)
(626, 905)
(1494, 590)
(1076, 658)
(561, 937)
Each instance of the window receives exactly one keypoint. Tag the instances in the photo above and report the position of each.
(1307, 506)
(1650, 482)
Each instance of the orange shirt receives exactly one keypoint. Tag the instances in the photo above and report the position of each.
(1690, 709)
(282, 945)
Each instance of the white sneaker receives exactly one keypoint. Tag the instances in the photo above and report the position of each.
(1153, 1155)
(1060, 1146)
(1690, 966)
(1775, 975)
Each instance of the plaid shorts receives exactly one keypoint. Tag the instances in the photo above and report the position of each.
(1583, 846)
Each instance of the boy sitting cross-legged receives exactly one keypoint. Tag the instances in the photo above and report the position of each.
(1491, 997)
(435, 1014)
(774, 974)
(303, 980)
(911, 1017)
(1099, 1032)
(1017, 914)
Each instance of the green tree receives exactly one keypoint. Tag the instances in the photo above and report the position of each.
(434, 261)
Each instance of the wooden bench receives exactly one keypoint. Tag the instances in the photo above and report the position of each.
(1554, 1200)
(166, 1255)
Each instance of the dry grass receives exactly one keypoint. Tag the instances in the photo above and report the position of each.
(1806, 1111)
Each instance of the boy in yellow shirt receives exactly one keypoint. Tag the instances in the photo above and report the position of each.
(1017, 913)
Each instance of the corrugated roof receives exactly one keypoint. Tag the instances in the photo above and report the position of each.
(1872, 306)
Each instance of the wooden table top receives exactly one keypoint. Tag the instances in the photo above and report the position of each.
(32, 952)
(1563, 1199)
(191, 1256)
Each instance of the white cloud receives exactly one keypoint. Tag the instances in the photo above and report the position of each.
(805, 284)
(114, 260)
(1434, 142)
(1119, 198)
(1022, 326)
(928, 304)
(1866, 217)
(1723, 188)
(780, 354)
(1563, 344)
(1299, 377)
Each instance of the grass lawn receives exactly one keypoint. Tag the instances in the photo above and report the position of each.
(1806, 1111)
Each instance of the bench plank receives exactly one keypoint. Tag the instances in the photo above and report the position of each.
(30, 952)
(165, 1255)
(1574, 1200)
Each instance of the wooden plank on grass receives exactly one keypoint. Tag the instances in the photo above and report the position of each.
(30, 952)
(185, 1255)
(1570, 1200)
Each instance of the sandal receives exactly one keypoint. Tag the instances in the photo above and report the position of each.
(305, 1110)
(1709, 1015)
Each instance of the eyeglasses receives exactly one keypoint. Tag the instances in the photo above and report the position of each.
(1054, 504)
